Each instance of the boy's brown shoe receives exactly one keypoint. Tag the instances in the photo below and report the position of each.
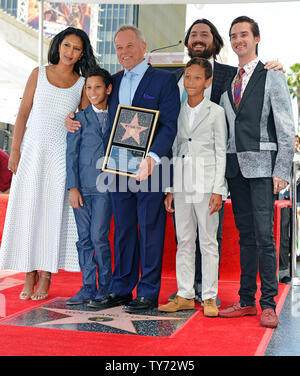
(178, 304)
(210, 308)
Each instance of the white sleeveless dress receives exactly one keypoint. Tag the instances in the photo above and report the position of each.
(40, 229)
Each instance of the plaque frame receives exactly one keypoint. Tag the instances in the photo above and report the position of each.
(131, 147)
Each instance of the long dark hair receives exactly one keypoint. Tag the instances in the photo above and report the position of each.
(218, 41)
(87, 60)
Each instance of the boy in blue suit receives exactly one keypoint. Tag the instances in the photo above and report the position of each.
(92, 209)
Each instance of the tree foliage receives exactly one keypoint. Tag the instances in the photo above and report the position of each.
(293, 80)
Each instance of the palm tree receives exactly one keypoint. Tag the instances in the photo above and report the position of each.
(293, 80)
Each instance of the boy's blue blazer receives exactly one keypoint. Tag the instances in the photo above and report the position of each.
(84, 148)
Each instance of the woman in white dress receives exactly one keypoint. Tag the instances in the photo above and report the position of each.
(40, 231)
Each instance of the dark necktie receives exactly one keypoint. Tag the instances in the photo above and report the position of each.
(237, 85)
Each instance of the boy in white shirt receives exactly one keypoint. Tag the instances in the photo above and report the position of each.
(199, 153)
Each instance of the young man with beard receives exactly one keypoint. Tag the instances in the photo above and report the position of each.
(203, 40)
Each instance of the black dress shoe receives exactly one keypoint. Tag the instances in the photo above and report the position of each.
(110, 300)
(140, 303)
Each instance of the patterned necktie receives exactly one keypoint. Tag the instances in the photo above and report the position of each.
(102, 117)
(237, 87)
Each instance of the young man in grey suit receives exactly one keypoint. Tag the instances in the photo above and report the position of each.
(260, 151)
(199, 152)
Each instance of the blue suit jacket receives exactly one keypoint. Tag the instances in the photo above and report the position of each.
(84, 148)
(157, 90)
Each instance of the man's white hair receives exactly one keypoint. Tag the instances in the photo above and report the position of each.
(137, 32)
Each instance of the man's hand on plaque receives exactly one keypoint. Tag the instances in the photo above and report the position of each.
(145, 169)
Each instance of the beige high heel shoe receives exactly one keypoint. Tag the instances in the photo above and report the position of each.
(42, 291)
(31, 280)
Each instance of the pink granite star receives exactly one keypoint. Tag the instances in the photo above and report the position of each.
(133, 129)
(113, 317)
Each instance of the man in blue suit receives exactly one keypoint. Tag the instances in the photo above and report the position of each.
(139, 213)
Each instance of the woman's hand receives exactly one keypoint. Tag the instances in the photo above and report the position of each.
(13, 161)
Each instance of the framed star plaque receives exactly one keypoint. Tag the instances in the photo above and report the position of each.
(130, 139)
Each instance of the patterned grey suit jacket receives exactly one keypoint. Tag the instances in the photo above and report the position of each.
(261, 132)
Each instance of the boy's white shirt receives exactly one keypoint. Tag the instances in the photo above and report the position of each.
(97, 109)
(192, 112)
(203, 140)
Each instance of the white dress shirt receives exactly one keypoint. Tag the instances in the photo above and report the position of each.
(192, 112)
(97, 109)
(126, 86)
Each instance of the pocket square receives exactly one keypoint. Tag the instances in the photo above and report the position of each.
(147, 96)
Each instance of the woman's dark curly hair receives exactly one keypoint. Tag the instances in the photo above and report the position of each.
(87, 60)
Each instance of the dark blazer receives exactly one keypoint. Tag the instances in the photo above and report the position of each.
(221, 74)
(84, 148)
(157, 90)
